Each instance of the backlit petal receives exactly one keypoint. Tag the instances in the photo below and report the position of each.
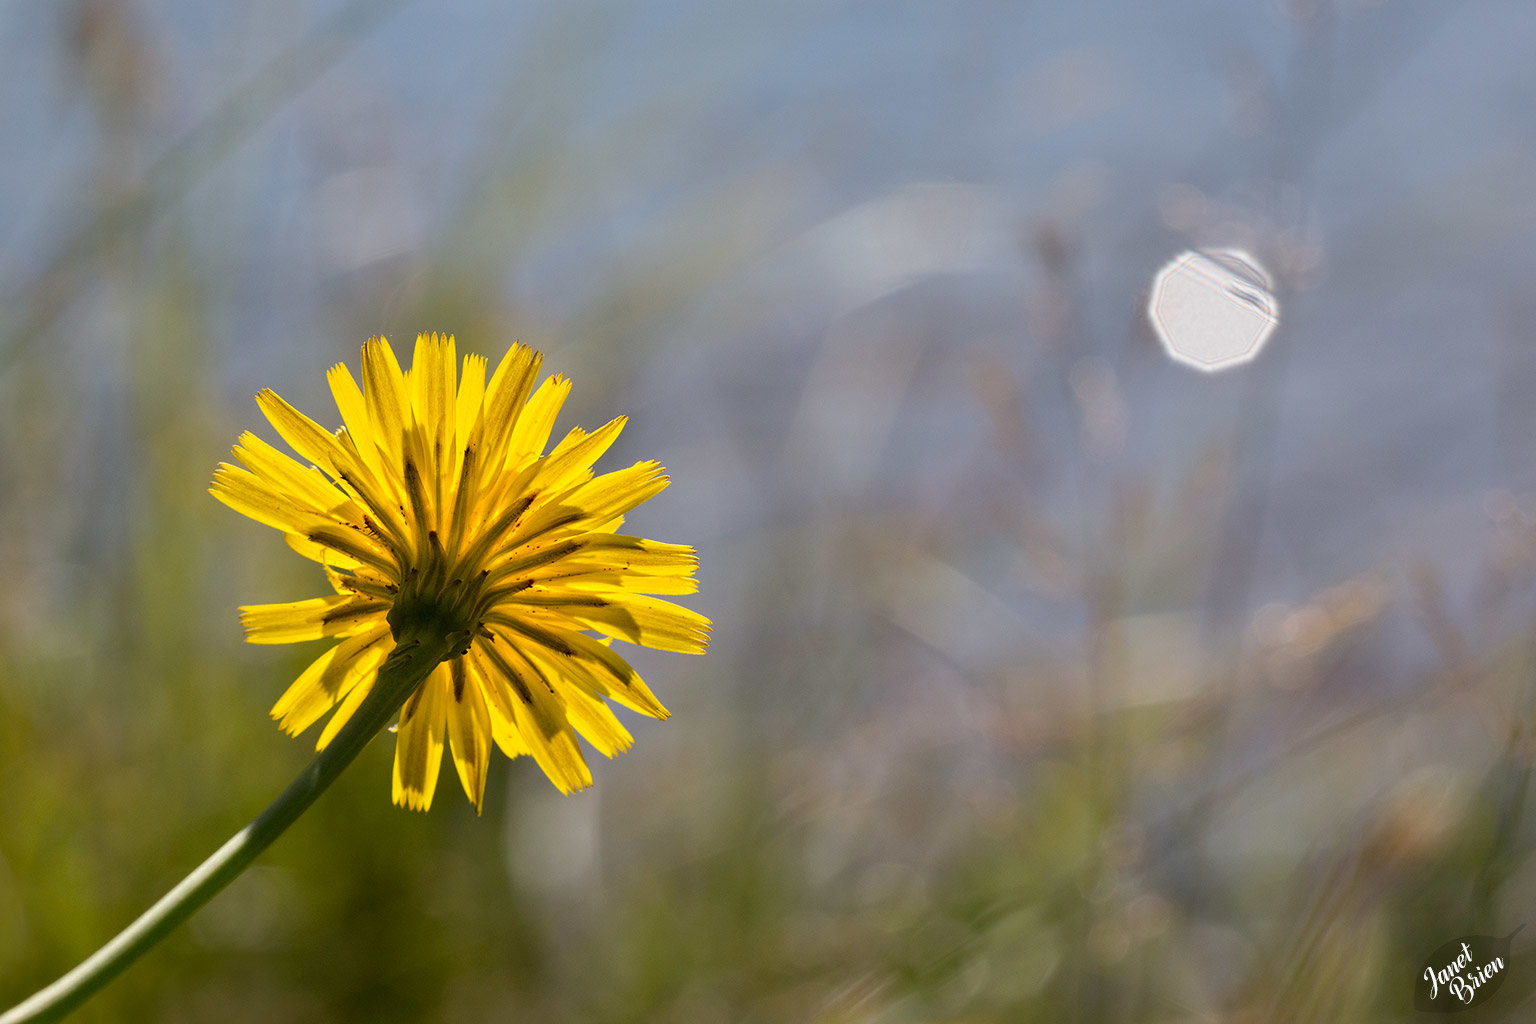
(328, 679)
(469, 733)
(419, 742)
(293, 621)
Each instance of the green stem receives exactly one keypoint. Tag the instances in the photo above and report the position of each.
(405, 670)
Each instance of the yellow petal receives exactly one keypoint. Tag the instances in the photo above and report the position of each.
(469, 403)
(591, 663)
(328, 679)
(304, 435)
(348, 707)
(419, 742)
(607, 526)
(597, 580)
(594, 502)
(529, 558)
(251, 496)
(614, 494)
(293, 621)
(598, 724)
(540, 720)
(384, 396)
(637, 554)
(324, 555)
(358, 544)
(371, 494)
(354, 413)
(571, 461)
(592, 718)
(505, 397)
(469, 733)
(534, 423)
(471, 396)
(638, 618)
(305, 484)
(498, 697)
(432, 398)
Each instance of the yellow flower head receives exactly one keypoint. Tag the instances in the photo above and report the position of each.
(436, 508)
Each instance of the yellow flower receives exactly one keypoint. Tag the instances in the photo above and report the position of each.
(436, 508)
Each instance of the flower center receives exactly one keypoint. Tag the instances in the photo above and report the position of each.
(434, 600)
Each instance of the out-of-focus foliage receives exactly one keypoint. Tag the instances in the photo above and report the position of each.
(1051, 681)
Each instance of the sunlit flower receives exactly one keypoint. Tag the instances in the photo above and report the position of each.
(435, 507)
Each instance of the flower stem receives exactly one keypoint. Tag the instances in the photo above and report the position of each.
(413, 659)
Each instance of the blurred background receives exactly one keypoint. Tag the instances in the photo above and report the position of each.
(1051, 680)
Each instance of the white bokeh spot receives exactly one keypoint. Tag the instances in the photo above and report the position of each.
(1213, 309)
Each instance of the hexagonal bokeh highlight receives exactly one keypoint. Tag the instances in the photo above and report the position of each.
(1213, 308)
